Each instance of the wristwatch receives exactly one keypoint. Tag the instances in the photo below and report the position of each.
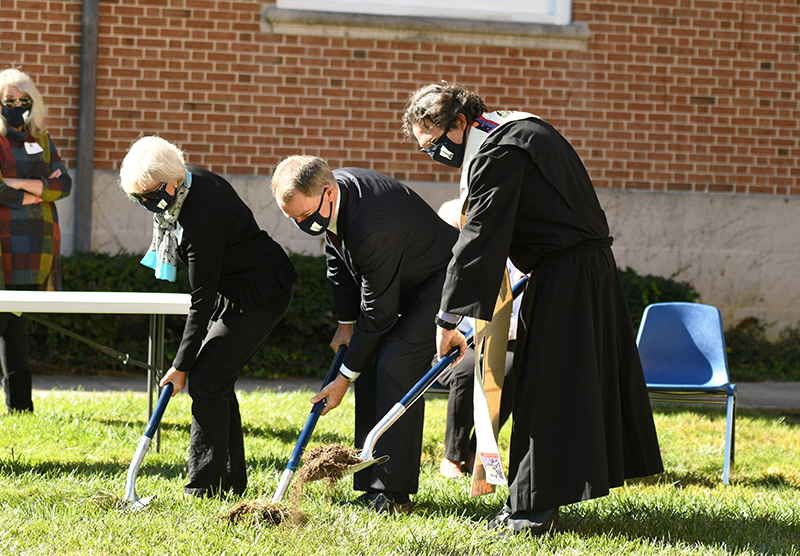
(444, 324)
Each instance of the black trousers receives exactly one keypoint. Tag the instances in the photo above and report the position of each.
(404, 357)
(216, 445)
(459, 437)
(14, 357)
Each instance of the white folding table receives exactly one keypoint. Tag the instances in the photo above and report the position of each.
(157, 305)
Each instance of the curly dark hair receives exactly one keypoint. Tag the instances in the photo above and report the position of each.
(440, 103)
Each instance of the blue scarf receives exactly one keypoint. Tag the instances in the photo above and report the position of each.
(162, 256)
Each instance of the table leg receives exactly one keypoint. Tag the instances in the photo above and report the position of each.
(159, 366)
(153, 366)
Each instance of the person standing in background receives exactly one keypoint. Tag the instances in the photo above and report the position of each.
(32, 177)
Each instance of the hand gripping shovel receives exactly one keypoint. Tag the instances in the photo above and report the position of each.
(412, 396)
(305, 434)
(134, 502)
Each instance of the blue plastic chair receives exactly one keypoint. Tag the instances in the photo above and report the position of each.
(682, 347)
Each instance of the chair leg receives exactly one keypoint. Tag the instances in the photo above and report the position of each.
(730, 438)
(733, 431)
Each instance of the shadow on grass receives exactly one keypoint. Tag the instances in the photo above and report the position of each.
(111, 469)
(760, 534)
(287, 432)
(677, 528)
(704, 480)
(290, 433)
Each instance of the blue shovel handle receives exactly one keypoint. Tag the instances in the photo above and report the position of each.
(158, 412)
(313, 417)
(433, 374)
(416, 392)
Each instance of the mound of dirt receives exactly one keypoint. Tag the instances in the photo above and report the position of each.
(256, 512)
(328, 462)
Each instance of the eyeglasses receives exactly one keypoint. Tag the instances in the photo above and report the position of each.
(149, 195)
(25, 102)
(430, 146)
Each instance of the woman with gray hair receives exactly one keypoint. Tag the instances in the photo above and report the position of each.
(32, 177)
(241, 284)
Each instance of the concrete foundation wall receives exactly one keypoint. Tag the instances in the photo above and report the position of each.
(740, 252)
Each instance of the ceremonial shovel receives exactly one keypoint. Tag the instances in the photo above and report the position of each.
(131, 499)
(412, 396)
(305, 434)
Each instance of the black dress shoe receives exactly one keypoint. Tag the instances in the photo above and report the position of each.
(382, 502)
(536, 523)
(500, 519)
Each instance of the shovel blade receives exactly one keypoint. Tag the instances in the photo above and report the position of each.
(137, 504)
(364, 464)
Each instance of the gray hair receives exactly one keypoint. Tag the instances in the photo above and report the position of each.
(15, 78)
(438, 104)
(151, 160)
(304, 173)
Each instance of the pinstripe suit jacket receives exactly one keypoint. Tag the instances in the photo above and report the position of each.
(390, 242)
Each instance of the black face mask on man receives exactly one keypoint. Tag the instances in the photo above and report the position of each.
(315, 224)
(446, 151)
(15, 117)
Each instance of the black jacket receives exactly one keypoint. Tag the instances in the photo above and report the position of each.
(231, 260)
(391, 241)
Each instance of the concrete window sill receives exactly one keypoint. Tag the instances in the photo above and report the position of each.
(574, 36)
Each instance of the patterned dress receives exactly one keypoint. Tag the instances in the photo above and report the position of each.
(29, 234)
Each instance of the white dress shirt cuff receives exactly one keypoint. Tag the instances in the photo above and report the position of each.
(448, 317)
(351, 376)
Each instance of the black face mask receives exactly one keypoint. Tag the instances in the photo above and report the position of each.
(158, 200)
(315, 224)
(15, 117)
(446, 151)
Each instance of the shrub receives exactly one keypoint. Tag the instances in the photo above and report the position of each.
(751, 356)
(641, 291)
(299, 345)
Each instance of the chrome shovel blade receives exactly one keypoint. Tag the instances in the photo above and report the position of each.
(364, 464)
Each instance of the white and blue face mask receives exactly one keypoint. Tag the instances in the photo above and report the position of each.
(315, 224)
(444, 150)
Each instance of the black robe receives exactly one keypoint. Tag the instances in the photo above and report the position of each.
(582, 417)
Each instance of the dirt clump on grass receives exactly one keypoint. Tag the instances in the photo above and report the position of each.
(256, 512)
(328, 462)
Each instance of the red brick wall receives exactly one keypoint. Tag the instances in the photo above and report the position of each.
(667, 97)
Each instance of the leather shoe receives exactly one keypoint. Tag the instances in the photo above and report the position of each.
(382, 502)
(500, 519)
(536, 523)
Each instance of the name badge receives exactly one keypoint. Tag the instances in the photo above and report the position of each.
(33, 148)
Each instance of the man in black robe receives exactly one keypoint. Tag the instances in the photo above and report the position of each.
(582, 417)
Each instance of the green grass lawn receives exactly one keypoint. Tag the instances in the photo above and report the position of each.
(62, 468)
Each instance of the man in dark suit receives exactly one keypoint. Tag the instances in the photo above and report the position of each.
(387, 253)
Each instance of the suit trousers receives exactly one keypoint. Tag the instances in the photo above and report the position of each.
(216, 444)
(404, 357)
